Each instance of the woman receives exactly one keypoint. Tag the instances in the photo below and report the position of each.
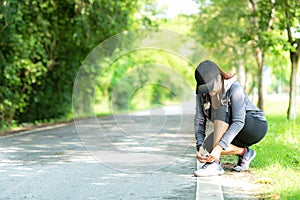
(237, 123)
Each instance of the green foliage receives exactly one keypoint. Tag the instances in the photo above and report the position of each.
(42, 46)
(142, 79)
(44, 42)
(245, 34)
(221, 27)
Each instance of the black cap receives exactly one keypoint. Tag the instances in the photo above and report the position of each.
(205, 75)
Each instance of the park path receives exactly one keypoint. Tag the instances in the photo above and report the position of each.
(142, 155)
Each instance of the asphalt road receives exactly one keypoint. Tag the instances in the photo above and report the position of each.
(137, 156)
(142, 155)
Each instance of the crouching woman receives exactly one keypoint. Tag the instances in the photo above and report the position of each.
(237, 122)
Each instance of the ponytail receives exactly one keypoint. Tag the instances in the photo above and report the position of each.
(225, 75)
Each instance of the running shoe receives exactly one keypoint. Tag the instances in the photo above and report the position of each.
(245, 160)
(210, 169)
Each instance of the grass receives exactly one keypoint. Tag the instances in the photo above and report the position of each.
(277, 164)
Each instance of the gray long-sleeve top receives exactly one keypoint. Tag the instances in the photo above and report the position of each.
(235, 100)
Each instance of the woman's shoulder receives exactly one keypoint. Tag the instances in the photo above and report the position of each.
(231, 83)
(235, 86)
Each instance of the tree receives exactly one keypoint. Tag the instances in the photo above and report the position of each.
(262, 15)
(42, 46)
(221, 27)
(236, 27)
(290, 14)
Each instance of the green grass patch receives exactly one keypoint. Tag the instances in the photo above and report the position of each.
(277, 164)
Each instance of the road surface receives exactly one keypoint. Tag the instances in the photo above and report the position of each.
(142, 155)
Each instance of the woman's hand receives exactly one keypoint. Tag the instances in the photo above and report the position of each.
(200, 155)
(215, 154)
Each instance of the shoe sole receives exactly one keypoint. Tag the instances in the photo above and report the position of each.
(206, 175)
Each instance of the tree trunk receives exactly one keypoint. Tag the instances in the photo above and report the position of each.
(294, 57)
(260, 64)
(259, 50)
(242, 74)
(292, 112)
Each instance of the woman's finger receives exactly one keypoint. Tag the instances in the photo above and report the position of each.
(211, 158)
(201, 159)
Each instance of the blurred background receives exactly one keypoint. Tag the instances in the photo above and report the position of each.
(43, 43)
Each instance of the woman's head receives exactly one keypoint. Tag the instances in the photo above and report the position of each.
(209, 77)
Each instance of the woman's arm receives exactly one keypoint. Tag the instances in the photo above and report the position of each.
(199, 123)
(238, 106)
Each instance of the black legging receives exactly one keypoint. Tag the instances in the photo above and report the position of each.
(253, 131)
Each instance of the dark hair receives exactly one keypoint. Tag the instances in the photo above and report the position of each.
(225, 75)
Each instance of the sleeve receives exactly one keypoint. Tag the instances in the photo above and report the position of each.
(238, 106)
(199, 123)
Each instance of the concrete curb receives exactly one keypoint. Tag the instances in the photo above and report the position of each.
(44, 128)
(209, 187)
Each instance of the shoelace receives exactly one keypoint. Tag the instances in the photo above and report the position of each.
(205, 165)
